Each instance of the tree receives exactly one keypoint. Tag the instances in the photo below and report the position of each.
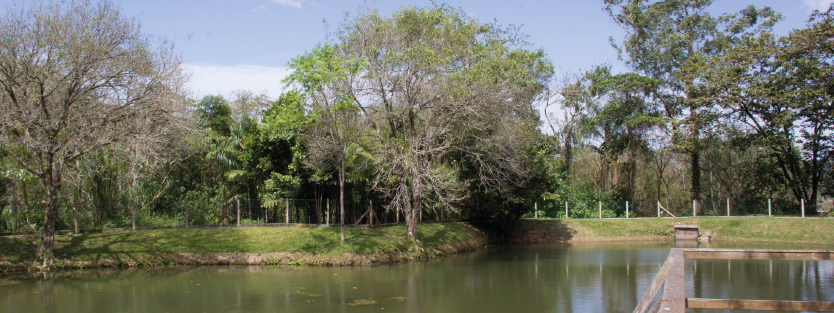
(321, 73)
(76, 77)
(781, 90)
(624, 112)
(671, 40)
(429, 77)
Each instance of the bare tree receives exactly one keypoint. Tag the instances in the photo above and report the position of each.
(75, 77)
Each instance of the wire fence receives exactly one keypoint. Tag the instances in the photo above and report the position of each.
(237, 212)
(710, 207)
(244, 212)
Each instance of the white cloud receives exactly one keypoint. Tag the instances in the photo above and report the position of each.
(290, 3)
(821, 5)
(260, 8)
(223, 80)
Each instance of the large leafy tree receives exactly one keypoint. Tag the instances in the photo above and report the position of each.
(781, 90)
(75, 77)
(623, 112)
(321, 73)
(671, 41)
(433, 81)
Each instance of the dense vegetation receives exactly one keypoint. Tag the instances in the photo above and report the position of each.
(427, 112)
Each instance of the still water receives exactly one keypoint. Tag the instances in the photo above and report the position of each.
(539, 278)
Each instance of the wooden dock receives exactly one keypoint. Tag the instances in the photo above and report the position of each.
(671, 278)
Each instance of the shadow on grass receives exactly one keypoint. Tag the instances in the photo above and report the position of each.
(539, 231)
(157, 247)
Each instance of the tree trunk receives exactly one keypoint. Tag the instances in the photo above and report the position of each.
(696, 160)
(416, 208)
(15, 205)
(51, 179)
(342, 198)
(696, 179)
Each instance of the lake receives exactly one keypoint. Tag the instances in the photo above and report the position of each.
(538, 278)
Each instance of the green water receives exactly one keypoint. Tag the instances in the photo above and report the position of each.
(541, 278)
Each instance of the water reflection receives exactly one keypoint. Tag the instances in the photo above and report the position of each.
(542, 278)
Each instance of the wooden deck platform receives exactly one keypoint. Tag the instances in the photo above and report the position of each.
(671, 278)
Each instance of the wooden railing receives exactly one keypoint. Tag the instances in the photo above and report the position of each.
(672, 277)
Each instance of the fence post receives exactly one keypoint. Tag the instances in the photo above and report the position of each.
(728, 206)
(536, 208)
(287, 209)
(600, 209)
(327, 213)
(371, 212)
(566, 210)
(803, 207)
(186, 214)
(237, 221)
(626, 209)
(658, 208)
(769, 209)
(693, 208)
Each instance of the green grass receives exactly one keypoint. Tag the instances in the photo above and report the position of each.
(245, 245)
(761, 229)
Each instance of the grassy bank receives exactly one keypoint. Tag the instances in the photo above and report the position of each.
(759, 229)
(245, 246)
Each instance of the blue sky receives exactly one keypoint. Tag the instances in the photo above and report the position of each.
(245, 44)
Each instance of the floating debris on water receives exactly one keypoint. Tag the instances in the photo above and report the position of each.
(304, 294)
(397, 298)
(361, 302)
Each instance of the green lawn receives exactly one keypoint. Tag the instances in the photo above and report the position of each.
(246, 245)
(321, 246)
(763, 229)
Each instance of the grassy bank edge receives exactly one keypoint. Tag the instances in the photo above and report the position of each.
(288, 246)
(319, 246)
(731, 229)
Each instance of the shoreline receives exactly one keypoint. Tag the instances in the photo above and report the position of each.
(278, 246)
(723, 229)
(318, 246)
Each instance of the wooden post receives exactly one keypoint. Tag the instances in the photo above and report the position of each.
(371, 212)
(658, 208)
(600, 209)
(626, 209)
(536, 209)
(674, 296)
(237, 221)
(566, 210)
(186, 214)
(803, 207)
(693, 208)
(327, 213)
(728, 206)
(287, 209)
(769, 210)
